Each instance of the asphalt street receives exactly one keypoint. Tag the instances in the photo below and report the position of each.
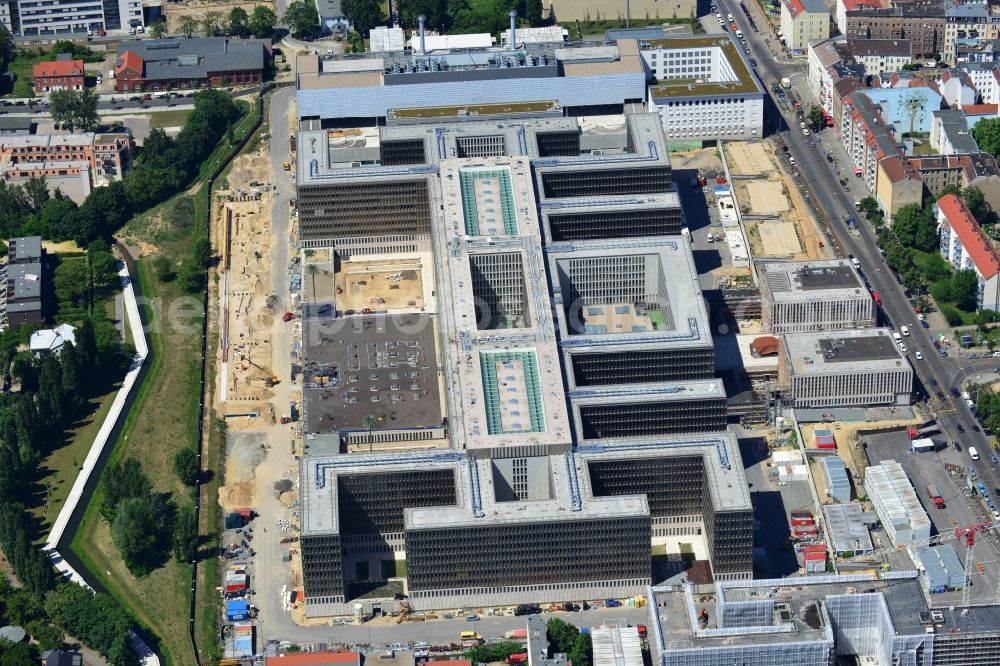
(838, 204)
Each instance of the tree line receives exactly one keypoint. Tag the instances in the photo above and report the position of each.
(53, 393)
(164, 166)
(259, 23)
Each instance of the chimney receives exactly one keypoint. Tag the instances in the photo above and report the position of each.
(421, 19)
(513, 28)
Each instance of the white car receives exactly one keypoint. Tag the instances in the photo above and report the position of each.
(919, 355)
(903, 348)
(710, 238)
(805, 131)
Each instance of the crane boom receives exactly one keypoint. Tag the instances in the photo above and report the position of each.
(968, 532)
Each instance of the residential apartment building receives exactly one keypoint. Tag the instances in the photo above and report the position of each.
(950, 134)
(59, 74)
(845, 368)
(957, 88)
(881, 55)
(898, 183)
(822, 55)
(922, 24)
(107, 156)
(24, 278)
(966, 27)
(800, 296)
(803, 21)
(161, 64)
(966, 246)
(867, 137)
(979, 170)
(985, 79)
(61, 18)
(843, 6)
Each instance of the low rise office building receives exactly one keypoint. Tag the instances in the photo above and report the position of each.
(704, 88)
(799, 296)
(846, 368)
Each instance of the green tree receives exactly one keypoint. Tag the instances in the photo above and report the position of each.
(122, 481)
(86, 109)
(582, 653)
(8, 49)
(815, 116)
(212, 24)
(163, 268)
(72, 282)
(157, 28)
(436, 12)
(186, 466)
(562, 635)
(363, 14)
(935, 268)
(964, 289)
(185, 537)
(96, 619)
(986, 132)
(62, 107)
(869, 206)
(138, 530)
(188, 25)
(48, 637)
(493, 652)
(262, 22)
(239, 22)
(18, 654)
(302, 18)
(916, 228)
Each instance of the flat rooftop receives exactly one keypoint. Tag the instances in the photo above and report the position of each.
(797, 620)
(27, 279)
(740, 79)
(724, 473)
(373, 365)
(843, 351)
(599, 302)
(508, 388)
(789, 281)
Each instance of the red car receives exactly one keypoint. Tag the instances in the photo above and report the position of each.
(287, 316)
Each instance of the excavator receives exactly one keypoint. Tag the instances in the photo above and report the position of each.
(270, 379)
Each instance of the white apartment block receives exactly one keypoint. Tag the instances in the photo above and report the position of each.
(822, 55)
(984, 78)
(704, 88)
(801, 296)
(966, 246)
(53, 18)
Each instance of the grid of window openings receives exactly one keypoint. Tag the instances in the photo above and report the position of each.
(545, 553)
(634, 367)
(621, 419)
(365, 507)
(695, 117)
(499, 289)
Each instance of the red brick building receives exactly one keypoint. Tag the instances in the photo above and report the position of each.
(58, 75)
(171, 64)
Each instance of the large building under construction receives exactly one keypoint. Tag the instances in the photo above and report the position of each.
(552, 435)
(818, 621)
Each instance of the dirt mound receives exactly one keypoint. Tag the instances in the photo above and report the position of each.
(239, 494)
(288, 498)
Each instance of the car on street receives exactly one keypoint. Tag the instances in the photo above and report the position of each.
(975, 427)
(805, 131)
(958, 447)
(960, 427)
(940, 396)
(903, 348)
(932, 381)
(829, 158)
(923, 322)
(919, 356)
(955, 392)
(993, 459)
(753, 63)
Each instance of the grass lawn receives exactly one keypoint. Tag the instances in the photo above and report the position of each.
(174, 118)
(600, 26)
(921, 259)
(21, 67)
(59, 469)
(163, 420)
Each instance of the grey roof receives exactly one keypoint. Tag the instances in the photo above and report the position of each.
(195, 58)
(26, 248)
(865, 350)
(847, 528)
(814, 6)
(329, 9)
(956, 128)
(15, 123)
(941, 567)
(635, 33)
(811, 280)
(27, 279)
(880, 47)
(838, 485)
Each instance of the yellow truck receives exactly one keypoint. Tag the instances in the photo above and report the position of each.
(286, 165)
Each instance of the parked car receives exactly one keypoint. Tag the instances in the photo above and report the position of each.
(933, 381)
(958, 447)
(527, 609)
(960, 427)
(955, 392)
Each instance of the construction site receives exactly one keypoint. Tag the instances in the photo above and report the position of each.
(778, 223)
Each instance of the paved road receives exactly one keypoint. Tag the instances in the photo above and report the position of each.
(817, 172)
